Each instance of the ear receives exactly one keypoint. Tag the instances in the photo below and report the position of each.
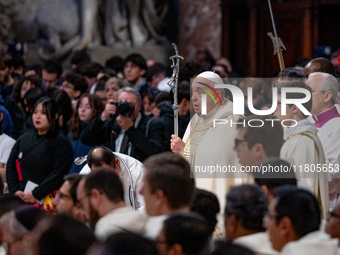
(231, 223)
(286, 227)
(77, 212)
(258, 148)
(96, 197)
(265, 189)
(183, 101)
(328, 96)
(142, 72)
(117, 163)
(77, 93)
(1, 116)
(295, 109)
(160, 194)
(176, 249)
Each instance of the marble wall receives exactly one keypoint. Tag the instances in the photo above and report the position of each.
(200, 27)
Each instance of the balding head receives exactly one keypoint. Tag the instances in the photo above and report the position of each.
(318, 65)
(101, 157)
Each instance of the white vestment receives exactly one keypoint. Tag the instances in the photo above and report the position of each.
(303, 149)
(329, 135)
(6, 145)
(259, 243)
(209, 148)
(153, 226)
(136, 169)
(123, 219)
(314, 243)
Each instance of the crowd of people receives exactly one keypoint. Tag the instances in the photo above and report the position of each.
(90, 162)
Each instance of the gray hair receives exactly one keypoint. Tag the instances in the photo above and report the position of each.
(17, 229)
(327, 83)
(121, 83)
(130, 91)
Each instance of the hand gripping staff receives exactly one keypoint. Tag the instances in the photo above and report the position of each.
(173, 83)
(278, 44)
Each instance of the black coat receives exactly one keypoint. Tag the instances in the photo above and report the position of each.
(41, 161)
(147, 139)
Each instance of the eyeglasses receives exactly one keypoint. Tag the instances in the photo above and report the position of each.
(333, 215)
(61, 195)
(318, 91)
(238, 141)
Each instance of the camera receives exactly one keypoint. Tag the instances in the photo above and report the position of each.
(124, 108)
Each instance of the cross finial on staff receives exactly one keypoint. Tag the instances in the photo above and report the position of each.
(173, 83)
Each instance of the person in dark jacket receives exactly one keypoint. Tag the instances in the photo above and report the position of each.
(125, 129)
(42, 157)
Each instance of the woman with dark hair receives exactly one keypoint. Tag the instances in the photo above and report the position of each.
(30, 98)
(66, 110)
(88, 108)
(20, 89)
(28, 82)
(42, 157)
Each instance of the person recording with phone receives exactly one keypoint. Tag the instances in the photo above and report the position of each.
(124, 128)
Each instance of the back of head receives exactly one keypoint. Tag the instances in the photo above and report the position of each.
(65, 236)
(53, 66)
(107, 182)
(189, 230)
(183, 91)
(248, 204)
(101, 83)
(326, 65)
(300, 206)
(223, 248)
(21, 221)
(156, 69)
(291, 73)
(206, 204)
(274, 179)
(136, 59)
(115, 63)
(270, 134)
(78, 81)
(99, 155)
(88, 69)
(171, 173)
(65, 104)
(128, 244)
(162, 97)
(9, 202)
(189, 70)
(29, 216)
(79, 57)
